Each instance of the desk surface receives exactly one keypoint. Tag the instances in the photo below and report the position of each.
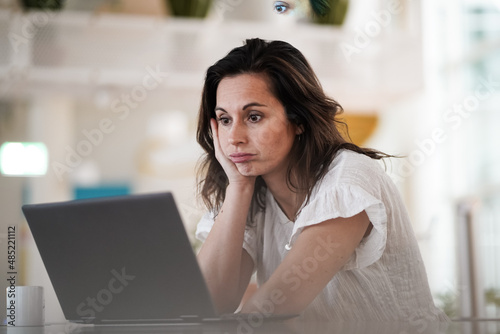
(288, 327)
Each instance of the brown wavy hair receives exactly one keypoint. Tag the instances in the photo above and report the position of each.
(295, 85)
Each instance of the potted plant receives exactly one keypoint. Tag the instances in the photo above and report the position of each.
(190, 8)
(335, 14)
(42, 4)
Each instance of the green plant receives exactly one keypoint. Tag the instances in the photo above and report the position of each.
(190, 8)
(42, 4)
(492, 296)
(447, 302)
(335, 15)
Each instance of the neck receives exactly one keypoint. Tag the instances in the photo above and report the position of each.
(288, 200)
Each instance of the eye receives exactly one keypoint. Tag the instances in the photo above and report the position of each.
(281, 7)
(254, 118)
(223, 120)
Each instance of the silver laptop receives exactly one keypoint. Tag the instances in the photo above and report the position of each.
(122, 260)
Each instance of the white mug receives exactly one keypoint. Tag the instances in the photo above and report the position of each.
(25, 306)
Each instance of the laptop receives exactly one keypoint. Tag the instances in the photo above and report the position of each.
(123, 260)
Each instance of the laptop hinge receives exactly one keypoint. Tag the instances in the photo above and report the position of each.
(190, 317)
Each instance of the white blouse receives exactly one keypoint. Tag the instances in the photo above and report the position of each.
(385, 278)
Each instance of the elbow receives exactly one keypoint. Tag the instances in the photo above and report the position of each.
(226, 308)
(275, 303)
(224, 301)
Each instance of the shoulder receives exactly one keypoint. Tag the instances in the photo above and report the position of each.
(350, 167)
(353, 183)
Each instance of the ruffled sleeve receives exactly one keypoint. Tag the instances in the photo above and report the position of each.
(249, 240)
(204, 226)
(347, 200)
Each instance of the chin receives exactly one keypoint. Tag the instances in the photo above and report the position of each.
(248, 173)
(247, 170)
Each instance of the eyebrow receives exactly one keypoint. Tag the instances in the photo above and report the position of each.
(246, 106)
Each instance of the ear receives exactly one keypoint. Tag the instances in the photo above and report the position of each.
(299, 129)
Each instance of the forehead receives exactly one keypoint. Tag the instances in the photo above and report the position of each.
(237, 92)
(245, 85)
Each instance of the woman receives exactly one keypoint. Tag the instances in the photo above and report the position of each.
(314, 215)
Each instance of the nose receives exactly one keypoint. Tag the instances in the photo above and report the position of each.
(237, 134)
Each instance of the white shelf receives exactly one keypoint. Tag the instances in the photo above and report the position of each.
(74, 51)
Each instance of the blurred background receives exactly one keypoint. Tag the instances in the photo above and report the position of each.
(100, 97)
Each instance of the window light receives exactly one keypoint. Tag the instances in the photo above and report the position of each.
(23, 159)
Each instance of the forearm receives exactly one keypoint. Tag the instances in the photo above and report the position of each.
(319, 252)
(220, 257)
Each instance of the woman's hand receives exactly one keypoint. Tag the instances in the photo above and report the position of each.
(232, 173)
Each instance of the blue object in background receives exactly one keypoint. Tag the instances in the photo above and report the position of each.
(101, 191)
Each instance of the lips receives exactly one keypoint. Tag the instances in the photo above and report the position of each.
(240, 157)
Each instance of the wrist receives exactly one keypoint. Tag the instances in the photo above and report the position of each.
(241, 188)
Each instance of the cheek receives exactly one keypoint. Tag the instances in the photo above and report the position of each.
(269, 138)
(274, 141)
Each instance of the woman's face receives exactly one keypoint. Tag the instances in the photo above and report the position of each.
(254, 131)
(297, 8)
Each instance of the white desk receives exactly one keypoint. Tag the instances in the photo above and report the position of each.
(288, 327)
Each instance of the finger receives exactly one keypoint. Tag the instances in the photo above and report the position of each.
(213, 126)
(215, 135)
